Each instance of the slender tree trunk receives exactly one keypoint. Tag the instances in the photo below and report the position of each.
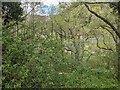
(118, 52)
(118, 43)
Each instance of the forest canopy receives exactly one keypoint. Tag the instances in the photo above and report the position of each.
(78, 47)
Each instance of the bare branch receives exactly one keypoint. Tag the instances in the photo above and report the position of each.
(100, 46)
(103, 19)
(109, 32)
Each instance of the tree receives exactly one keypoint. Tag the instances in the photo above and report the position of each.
(11, 11)
(116, 30)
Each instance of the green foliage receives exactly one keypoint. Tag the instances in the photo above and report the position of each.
(16, 53)
(51, 53)
(115, 6)
(11, 11)
(90, 78)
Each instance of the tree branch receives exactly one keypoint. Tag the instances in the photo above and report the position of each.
(109, 32)
(100, 46)
(103, 19)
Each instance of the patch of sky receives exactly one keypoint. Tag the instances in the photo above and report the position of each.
(48, 9)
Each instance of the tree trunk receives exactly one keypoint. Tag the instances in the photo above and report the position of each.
(118, 43)
(118, 47)
(118, 52)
